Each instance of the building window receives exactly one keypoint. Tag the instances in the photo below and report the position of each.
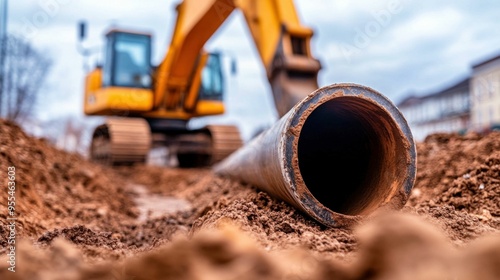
(491, 88)
(480, 89)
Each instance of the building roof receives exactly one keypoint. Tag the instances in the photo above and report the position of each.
(463, 83)
(410, 100)
(486, 61)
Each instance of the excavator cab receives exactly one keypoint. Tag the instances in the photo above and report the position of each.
(212, 82)
(128, 60)
(124, 84)
(128, 64)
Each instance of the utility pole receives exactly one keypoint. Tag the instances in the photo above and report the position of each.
(3, 48)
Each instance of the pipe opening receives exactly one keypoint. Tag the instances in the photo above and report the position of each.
(350, 155)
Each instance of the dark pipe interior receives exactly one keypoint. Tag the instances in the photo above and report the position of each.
(347, 149)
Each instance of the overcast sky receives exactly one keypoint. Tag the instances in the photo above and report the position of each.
(394, 46)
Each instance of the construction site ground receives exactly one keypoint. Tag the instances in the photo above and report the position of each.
(79, 220)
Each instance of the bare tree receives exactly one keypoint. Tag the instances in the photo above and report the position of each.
(24, 70)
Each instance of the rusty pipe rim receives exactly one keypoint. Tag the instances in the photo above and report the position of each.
(347, 151)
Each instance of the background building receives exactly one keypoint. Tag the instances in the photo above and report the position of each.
(447, 110)
(485, 95)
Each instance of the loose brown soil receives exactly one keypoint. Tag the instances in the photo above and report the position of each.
(78, 220)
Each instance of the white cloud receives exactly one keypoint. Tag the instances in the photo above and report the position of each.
(427, 26)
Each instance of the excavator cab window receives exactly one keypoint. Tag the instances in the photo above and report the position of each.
(299, 46)
(212, 82)
(128, 60)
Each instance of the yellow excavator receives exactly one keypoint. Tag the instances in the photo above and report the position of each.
(151, 106)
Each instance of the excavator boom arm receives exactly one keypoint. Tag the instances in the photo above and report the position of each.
(282, 42)
(196, 22)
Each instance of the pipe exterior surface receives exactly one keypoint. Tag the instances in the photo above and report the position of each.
(341, 153)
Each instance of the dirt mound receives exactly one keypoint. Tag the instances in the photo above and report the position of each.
(59, 194)
(276, 225)
(58, 189)
(80, 235)
(460, 227)
(461, 171)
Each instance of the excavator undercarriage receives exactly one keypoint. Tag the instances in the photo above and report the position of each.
(125, 141)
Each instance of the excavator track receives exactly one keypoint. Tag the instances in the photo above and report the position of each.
(225, 140)
(208, 145)
(121, 141)
(125, 141)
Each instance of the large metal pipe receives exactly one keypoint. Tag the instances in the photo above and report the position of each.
(342, 152)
